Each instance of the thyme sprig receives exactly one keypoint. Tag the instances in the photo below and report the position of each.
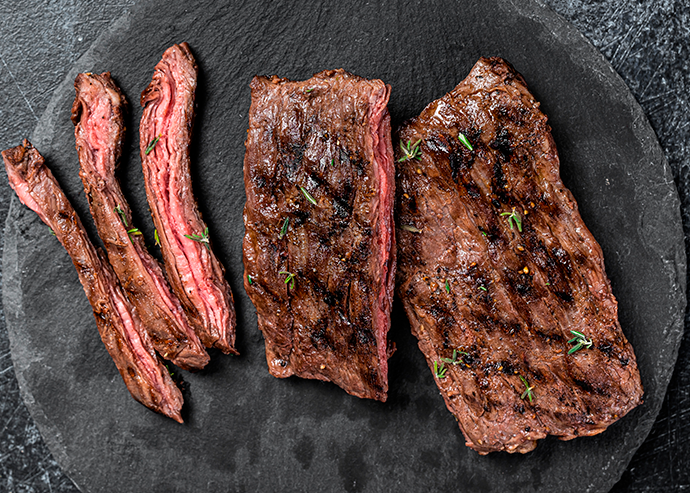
(465, 141)
(440, 369)
(514, 216)
(308, 195)
(528, 389)
(202, 238)
(122, 215)
(290, 278)
(412, 151)
(152, 144)
(581, 341)
(455, 360)
(284, 228)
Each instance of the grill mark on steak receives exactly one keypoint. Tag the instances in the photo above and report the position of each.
(329, 135)
(196, 275)
(514, 295)
(118, 322)
(98, 116)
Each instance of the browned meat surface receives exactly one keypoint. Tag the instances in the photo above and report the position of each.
(118, 323)
(497, 267)
(195, 274)
(98, 117)
(319, 245)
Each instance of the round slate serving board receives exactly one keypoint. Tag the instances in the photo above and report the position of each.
(247, 431)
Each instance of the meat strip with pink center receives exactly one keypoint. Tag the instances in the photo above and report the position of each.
(197, 277)
(118, 323)
(98, 116)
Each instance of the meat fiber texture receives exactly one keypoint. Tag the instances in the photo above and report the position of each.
(98, 116)
(319, 245)
(119, 325)
(498, 273)
(196, 275)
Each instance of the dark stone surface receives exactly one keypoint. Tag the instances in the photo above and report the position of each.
(647, 45)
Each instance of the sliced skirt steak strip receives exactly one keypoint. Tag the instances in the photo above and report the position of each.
(118, 323)
(503, 283)
(319, 245)
(195, 274)
(98, 116)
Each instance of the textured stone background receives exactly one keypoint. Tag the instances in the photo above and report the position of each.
(647, 42)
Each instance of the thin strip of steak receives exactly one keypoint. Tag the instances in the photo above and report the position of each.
(503, 283)
(118, 323)
(197, 277)
(319, 245)
(98, 116)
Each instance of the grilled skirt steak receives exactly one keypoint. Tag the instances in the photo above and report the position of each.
(195, 274)
(98, 117)
(503, 283)
(319, 245)
(118, 323)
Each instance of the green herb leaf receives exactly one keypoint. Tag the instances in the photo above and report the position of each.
(308, 196)
(290, 278)
(283, 230)
(447, 286)
(412, 151)
(483, 288)
(133, 231)
(309, 90)
(454, 360)
(463, 138)
(528, 390)
(332, 161)
(581, 341)
(514, 216)
(202, 238)
(155, 237)
(152, 144)
(51, 231)
(249, 279)
(439, 370)
(123, 218)
(411, 229)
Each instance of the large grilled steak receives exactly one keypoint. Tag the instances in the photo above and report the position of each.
(98, 116)
(195, 274)
(118, 323)
(503, 283)
(319, 245)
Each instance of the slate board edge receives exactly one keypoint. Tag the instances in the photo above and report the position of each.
(11, 286)
(559, 27)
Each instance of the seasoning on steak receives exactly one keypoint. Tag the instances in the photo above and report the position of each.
(98, 116)
(319, 245)
(195, 274)
(498, 273)
(118, 323)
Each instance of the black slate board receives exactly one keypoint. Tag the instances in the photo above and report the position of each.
(246, 430)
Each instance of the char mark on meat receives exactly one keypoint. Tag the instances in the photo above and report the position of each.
(195, 273)
(500, 274)
(319, 245)
(98, 116)
(119, 325)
